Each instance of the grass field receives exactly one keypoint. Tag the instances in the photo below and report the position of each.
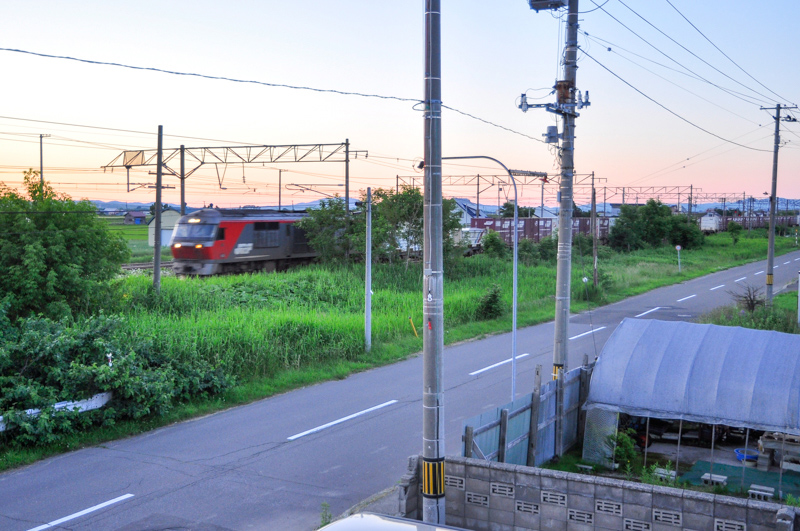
(277, 332)
(136, 236)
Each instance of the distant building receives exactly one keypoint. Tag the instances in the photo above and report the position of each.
(169, 218)
(134, 218)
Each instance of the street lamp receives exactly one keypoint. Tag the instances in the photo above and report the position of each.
(514, 296)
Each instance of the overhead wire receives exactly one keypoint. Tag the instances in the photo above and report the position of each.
(668, 109)
(733, 93)
(692, 53)
(723, 53)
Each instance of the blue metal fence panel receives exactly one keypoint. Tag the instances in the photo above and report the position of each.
(488, 441)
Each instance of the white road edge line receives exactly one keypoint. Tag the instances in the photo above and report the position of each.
(490, 367)
(740, 279)
(343, 419)
(81, 513)
(689, 297)
(587, 333)
(720, 286)
(758, 273)
(648, 311)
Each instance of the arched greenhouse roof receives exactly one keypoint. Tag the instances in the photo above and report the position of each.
(701, 373)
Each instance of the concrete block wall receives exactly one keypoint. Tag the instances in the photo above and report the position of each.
(488, 496)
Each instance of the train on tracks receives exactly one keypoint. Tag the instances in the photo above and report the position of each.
(713, 222)
(216, 241)
(537, 229)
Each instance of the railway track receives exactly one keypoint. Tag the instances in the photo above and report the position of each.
(145, 265)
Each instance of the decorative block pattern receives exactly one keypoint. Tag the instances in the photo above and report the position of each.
(662, 516)
(527, 507)
(454, 482)
(607, 507)
(554, 498)
(502, 489)
(477, 499)
(729, 525)
(630, 524)
(582, 517)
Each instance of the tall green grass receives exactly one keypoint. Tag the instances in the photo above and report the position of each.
(262, 324)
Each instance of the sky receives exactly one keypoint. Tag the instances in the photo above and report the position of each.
(676, 90)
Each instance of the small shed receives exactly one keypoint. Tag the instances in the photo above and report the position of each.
(134, 218)
(169, 218)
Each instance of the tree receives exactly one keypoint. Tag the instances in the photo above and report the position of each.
(403, 214)
(655, 222)
(56, 255)
(625, 235)
(507, 211)
(327, 230)
(735, 231)
(164, 206)
(493, 245)
(685, 233)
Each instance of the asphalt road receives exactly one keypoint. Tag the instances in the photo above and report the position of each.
(273, 463)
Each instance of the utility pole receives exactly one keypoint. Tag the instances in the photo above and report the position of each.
(157, 235)
(566, 97)
(773, 198)
(368, 278)
(347, 177)
(41, 159)
(594, 233)
(541, 208)
(183, 180)
(279, 190)
(478, 197)
(433, 451)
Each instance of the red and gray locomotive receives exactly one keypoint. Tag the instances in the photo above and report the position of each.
(214, 241)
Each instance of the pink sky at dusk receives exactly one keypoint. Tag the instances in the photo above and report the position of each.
(492, 52)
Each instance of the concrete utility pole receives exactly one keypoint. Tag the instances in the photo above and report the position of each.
(183, 180)
(594, 234)
(368, 278)
(566, 97)
(157, 235)
(773, 197)
(433, 499)
(280, 172)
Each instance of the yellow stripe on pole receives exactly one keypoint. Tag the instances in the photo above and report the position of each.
(433, 478)
(769, 280)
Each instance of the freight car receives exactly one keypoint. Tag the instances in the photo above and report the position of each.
(713, 222)
(215, 241)
(538, 228)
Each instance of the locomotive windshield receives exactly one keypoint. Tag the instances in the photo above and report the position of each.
(200, 231)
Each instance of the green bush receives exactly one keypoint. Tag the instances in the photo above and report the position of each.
(55, 254)
(493, 245)
(43, 362)
(490, 305)
(548, 248)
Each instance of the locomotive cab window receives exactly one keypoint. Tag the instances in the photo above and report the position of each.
(201, 231)
(221, 233)
(266, 233)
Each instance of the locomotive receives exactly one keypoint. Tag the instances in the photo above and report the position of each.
(214, 241)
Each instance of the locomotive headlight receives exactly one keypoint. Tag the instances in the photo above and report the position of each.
(194, 220)
(176, 245)
(198, 246)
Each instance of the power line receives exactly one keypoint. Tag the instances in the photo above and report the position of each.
(729, 91)
(671, 111)
(676, 84)
(723, 53)
(691, 52)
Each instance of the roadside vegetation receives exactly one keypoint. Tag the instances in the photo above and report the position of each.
(201, 345)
